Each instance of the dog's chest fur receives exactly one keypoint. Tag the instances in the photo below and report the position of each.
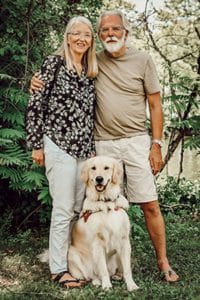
(107, 222)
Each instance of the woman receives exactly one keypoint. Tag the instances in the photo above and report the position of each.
(61, 135)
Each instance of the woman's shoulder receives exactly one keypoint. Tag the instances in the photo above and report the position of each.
(51, 63)
(52, 59)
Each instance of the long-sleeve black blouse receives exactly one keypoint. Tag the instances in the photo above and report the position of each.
(66, 116)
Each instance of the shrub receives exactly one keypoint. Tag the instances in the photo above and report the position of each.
(179, 195)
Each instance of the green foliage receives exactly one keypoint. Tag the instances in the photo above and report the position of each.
(182, 99)
(181, 106)
(136, 215)
(193, 143)
(177, 196)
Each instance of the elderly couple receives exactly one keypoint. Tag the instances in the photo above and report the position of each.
(101, 99)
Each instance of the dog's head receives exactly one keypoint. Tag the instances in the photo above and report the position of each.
(100, 172)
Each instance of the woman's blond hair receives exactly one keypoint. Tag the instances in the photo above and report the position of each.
(89, 58)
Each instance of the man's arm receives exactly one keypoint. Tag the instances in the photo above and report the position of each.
(156, 116)
(36, 84)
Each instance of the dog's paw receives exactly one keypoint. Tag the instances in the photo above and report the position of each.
(106, 285)
(132, 286)
(122, 202)
(96, 282)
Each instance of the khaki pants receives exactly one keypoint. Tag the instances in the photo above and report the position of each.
(67, 192)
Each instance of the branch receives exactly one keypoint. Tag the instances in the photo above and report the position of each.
(151, 36)
(182, 57)
(197, 32)
(181, 159)
(171, 207)
(27, 41)
(173, 143)
(28, 216)
(172, 147)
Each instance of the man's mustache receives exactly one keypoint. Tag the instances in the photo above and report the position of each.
(112, 38)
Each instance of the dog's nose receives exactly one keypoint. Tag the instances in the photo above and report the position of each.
(99, 179)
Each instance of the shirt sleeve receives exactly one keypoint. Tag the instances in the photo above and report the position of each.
(151, 80)
(38, 103)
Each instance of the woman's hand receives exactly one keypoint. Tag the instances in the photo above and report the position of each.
(38, 157)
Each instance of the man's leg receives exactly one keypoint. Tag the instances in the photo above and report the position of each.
(156, 229)
(141, 189)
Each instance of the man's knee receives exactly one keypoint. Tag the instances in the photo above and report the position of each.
(151, 209)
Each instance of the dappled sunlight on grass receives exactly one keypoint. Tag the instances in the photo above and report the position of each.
(23, 276)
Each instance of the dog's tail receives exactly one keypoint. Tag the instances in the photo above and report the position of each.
(44, 256)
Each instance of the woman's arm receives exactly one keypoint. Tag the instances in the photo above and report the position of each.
(37, 106)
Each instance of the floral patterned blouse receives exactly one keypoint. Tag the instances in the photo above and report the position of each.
(69, 114)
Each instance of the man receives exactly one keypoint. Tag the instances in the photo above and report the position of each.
(126, 79)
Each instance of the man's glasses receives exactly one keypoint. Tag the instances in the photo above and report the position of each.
(78, 35)
(115, 29)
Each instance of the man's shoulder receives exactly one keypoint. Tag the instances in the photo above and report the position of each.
(138, 53)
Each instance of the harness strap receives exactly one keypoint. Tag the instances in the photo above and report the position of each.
(88, 213)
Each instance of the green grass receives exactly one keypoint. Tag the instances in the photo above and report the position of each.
(22, 276)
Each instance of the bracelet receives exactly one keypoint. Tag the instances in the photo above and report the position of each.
(159, 142)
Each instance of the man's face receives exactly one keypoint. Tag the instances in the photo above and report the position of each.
(112, 33)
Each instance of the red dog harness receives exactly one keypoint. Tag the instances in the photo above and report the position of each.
(88, 213)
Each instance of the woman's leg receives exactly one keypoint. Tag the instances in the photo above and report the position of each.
(80, 188)
(61, 170)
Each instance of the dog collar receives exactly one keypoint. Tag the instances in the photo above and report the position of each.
(108, 199)
(88, 213)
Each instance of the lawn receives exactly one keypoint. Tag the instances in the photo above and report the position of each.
(22, 276)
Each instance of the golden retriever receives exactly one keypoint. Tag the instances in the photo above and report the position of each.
(100, 238)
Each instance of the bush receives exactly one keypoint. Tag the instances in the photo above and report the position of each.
(179, 195)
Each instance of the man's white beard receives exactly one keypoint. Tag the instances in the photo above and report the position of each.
(114, 47)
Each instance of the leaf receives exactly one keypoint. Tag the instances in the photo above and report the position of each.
(10, 133)
(6, 76)
(11, 173)
(44, 196)
(13, 155)
(34, 177)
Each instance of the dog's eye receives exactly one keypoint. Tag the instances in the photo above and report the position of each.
(93, 168)
(106, 168)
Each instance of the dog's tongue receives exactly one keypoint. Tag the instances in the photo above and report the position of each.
(99, 187)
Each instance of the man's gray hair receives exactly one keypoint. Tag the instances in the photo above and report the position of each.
(125, 22)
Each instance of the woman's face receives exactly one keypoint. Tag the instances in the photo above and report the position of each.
(80, 38)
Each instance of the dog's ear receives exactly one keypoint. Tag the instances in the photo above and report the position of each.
(117, 172)
(84, 172)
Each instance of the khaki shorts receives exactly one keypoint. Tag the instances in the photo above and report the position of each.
(133, 154)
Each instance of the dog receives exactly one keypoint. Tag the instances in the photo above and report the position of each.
(100, 246)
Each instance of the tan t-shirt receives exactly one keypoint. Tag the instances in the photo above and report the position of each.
(122, 85)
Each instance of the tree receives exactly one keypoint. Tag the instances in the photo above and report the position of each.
(172, 34)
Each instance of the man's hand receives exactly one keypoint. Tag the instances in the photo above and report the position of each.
(155, 158)
(38, 157)
(36, 84)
